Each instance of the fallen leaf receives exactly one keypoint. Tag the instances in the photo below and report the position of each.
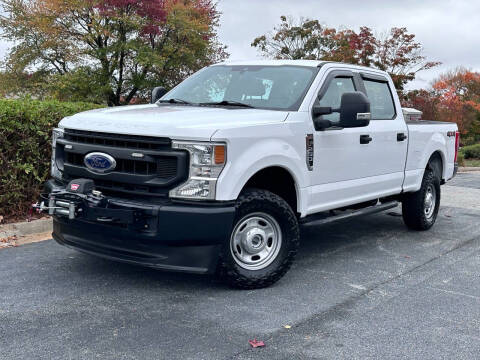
(287, 326)
(255, 343)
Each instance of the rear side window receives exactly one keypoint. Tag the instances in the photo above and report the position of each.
(381, 100)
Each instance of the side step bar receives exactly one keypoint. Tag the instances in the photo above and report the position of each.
(314, 220)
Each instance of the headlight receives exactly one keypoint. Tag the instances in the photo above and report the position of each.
(207, 161)
(55, 171)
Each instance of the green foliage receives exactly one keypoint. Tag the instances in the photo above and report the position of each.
(471, 151)
(25, 132)
(112, 51)
(472, 163)
(461, 159)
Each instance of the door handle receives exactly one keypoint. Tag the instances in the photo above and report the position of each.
(401, 137)
(365, 139)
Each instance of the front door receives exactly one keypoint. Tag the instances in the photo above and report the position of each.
(356, 164)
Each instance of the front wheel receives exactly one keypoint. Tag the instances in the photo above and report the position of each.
(263, 243)
(420, 209)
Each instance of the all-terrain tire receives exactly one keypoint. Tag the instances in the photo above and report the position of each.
(253, 202)
(415, 205)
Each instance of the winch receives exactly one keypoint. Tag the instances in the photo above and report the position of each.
(80, 201)
(70, 202)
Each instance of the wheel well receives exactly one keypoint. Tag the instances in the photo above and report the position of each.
(436, 163)
(278, 181)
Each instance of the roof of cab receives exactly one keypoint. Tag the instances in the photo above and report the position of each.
(307, 63)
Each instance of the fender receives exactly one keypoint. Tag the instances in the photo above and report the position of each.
(418, 158)
(258, 156)
(438, 144)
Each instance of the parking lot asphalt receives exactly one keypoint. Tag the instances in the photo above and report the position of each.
(361, 288)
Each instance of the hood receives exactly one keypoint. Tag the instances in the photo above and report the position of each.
(176, 122)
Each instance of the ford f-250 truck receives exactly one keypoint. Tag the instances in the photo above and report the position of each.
(221, 172)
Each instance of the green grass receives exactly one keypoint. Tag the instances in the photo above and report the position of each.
(472, 162)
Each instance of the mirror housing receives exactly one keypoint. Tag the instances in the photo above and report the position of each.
(321, 124)
(321, 110)
(354, 110)
(157, 93)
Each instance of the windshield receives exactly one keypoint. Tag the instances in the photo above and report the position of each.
(262, 87)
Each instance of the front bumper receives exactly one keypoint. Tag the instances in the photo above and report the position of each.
(171, 236)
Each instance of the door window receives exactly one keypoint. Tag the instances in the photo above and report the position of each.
(381, 101)
(333, 96)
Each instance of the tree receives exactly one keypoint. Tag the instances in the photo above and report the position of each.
(396, 52)
(458, 93)
(424, 100)
(112, 50)
(455, 97)
(399, 55)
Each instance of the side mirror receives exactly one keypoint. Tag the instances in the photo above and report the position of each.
(321, 110)
(157, 93)
(319, 123)
(354, 110)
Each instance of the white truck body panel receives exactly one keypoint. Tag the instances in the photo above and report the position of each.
(425, 138)
(176, 122)
(344, 173)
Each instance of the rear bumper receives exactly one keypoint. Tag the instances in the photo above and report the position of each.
(179, 237)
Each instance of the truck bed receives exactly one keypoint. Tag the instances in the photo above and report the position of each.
(427, 122)
(424, 137)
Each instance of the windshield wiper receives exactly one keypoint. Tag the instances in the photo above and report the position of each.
(174, 101)
(228, 103)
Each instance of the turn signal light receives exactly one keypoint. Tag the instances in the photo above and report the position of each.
(219, 154)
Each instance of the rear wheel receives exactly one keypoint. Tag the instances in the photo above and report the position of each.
(263, 243)
(420, 209)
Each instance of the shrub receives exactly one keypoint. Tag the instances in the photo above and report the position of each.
(471, 151)
(461, 159)
(25, 132)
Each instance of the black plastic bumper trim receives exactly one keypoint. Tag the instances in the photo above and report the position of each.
(209, 255)
(179, 237)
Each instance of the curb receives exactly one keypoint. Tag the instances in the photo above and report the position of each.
(468, 169)
(26, 228)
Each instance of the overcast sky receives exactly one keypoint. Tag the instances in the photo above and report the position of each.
(449, 30)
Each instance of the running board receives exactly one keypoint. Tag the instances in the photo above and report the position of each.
(365, 211)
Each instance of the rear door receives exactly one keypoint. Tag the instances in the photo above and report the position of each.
(389, 132)
(348, 167)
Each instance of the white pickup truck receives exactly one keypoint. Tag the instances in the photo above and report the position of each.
(218, 174)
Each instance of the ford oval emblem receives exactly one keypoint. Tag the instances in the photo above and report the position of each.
(99, 162)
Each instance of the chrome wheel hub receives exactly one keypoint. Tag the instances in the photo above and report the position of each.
(256, 241)
(430, 201)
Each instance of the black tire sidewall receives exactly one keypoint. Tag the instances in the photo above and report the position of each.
(255, 201)
(414, 204)
(432, 179)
